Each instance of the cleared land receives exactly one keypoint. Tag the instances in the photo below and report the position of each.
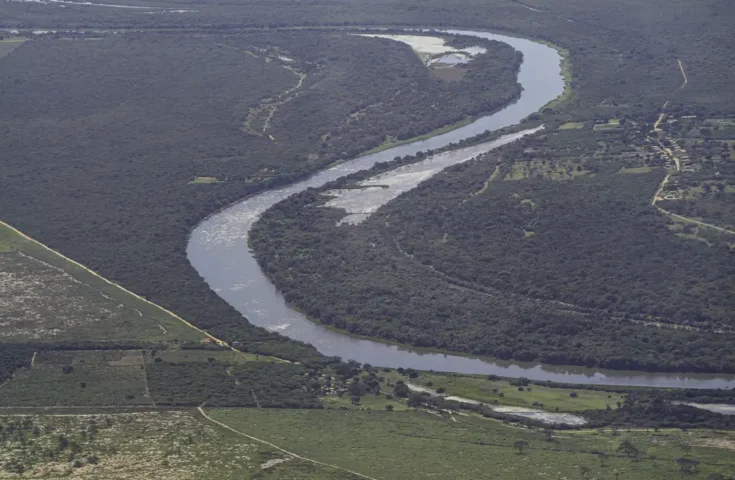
(160, 445)
(46, 297)
(410, 445)
(83, 378)
(506, 393)
(7, 46)
(429, 48)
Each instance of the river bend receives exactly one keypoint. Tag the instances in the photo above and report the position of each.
(218, 249)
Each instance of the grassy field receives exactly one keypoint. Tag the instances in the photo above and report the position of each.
(160, 445)
(571, 126)
(47, 297)
(562, 170)
(205, 180)
(8, 45)
(367, 402)
(82, 378)
(501, 391)
(414, 445)
(612, 123)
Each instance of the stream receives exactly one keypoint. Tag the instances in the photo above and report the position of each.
(218, 249)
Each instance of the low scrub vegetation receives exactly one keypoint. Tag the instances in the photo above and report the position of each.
(161, 445)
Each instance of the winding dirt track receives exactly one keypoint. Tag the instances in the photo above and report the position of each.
(678, 168)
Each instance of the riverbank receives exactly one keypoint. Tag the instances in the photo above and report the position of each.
(218, 249)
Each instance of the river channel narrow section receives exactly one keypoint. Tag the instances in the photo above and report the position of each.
(218, 249)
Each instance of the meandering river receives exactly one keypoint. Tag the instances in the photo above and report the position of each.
(218, 249)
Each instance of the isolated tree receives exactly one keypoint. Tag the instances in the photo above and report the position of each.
(415, 399)
(521, 445)
(389, 408)
(400, 389)
(628, 448)
(688, 465)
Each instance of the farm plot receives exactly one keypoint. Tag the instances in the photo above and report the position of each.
(414, 445)
(45, 297)
(83, 378)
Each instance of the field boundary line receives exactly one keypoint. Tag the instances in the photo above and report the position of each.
(145, 378)
(316, 462)
(88, 270)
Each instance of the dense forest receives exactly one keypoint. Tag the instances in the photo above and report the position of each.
(108, 183)
(105, 140)
(622, 52)
(650, 409)
(547, 250)
(592, 242)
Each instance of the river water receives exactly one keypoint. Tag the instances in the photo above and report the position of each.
(218, 249)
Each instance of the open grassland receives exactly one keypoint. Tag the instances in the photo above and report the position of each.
(411, 445)
(47, 297)
(506, 393)
(367, 402)
(83, 378)
(8, 45)
(160, 445)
